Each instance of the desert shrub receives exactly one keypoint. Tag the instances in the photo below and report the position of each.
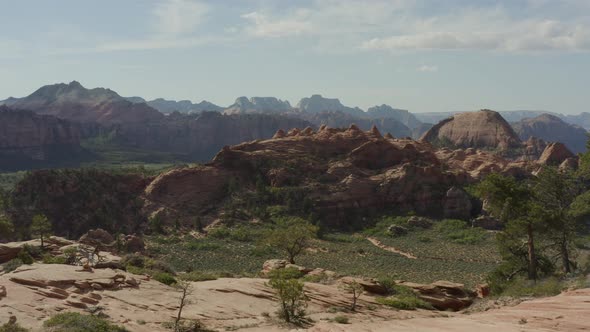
(404, 302)
(521, 287)
(164, 277)
(12, 265)
(424, 239)
(197, 276)
(291, 295)
(404, 298)
(25, 257)
(388, 283)
(12, 328)
(135, 260)
(341, 319)
(320, 278)
(286, 273)
(76, 322)
(156, 224)
(220, 232)
(49, 259)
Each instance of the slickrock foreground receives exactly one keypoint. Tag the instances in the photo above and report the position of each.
(34, 293)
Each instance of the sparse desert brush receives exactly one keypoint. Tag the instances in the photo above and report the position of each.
(76, 322)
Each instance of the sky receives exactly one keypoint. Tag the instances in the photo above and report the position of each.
(424, 56)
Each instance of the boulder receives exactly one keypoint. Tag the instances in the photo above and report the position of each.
(96, 237)
(443, 295)
(396, 230)
(369, 285)
(273, 264)
(134, 243)
(457, 204)
(482, 290)
(8, 252)
(419, 222)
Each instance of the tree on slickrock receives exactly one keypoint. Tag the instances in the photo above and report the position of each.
(355, 289)
(41, 227)
(291, 295)
(292, 235)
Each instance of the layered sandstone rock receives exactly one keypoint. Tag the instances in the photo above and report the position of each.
(481, 129)
(555, 154)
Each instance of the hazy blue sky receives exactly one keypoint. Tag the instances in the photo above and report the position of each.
(433, 55)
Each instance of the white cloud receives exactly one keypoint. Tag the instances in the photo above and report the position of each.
(178, 17)
(262, 26)
(427, 68)
(341, 25)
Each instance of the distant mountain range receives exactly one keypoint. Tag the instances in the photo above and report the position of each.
(199, 130)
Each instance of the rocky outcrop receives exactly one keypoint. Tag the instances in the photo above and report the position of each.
(481, 129)
(343, 172)
(487, 222)
(97, 237)
(444, 295)
(553, 129)
(555, 154)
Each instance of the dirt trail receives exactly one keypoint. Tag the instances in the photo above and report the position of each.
(378, 244)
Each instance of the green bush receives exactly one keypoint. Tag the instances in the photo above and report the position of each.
(197, 276)
(12, 328)
(12, 265)
(165, 278)
(404, 298)
(523, 288)
(341, 319)
(76, 322)
(48, 259)
(404, 302)
(25, 257)
(286, 273)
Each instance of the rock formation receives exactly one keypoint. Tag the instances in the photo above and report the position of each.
(481, 129)
(75, 103)
(555, 154)
(317, 104)
(258, 105)
(28, 139)
(359, 171)
(553, 129)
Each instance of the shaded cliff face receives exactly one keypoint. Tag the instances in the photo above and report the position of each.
(344, 174)
(31, 140)
(481, 129)
(200, 136)
(243, 105)
(552, 129)
(75, 103)
(182, 106)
